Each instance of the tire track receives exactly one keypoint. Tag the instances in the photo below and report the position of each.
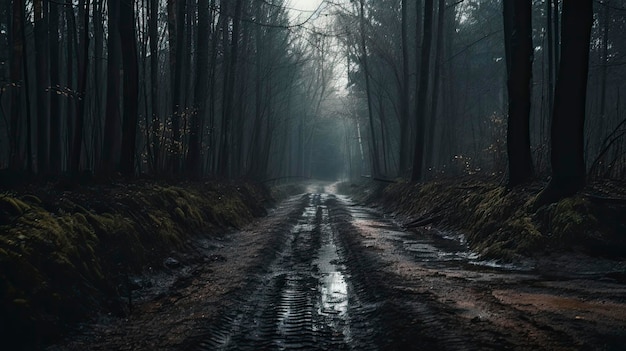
(304, 301)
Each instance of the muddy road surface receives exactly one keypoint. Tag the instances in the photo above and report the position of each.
(323, 273)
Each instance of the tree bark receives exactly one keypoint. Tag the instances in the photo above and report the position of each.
(113, 120)
(229, 91)
(374, 145)
(131, 86)
(16, 162)
(83, 61)
(404, 94)
(202, 85)
(567, 159)
(42, 83)
(422, 92)
(71, 35)
(154, 82)
(56, 150)
(176, 63)
(430, 155)
(519, 61)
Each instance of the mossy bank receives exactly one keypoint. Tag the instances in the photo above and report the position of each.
(67, 254)
(501, 223)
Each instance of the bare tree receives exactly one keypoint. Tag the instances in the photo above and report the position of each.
(422, 93)
(567, 155)
(131, 86)
(519, 60)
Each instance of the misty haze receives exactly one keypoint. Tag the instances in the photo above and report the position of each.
(312, 175)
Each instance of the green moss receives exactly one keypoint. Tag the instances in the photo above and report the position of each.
(20, 302)
(180, 214)
(13, 206)
(72, 258)
(572, 218)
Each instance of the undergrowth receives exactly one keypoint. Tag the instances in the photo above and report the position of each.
(501, 223)
(64, 254)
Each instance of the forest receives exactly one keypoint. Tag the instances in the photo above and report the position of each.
(244, 88)
(136, 133)
(248, 89)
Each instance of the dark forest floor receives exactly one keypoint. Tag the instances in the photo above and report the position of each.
(325, 272)
(128, 256)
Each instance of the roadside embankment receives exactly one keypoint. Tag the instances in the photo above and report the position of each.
(500, 223)
(66, 255)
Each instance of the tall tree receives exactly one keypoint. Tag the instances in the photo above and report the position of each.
(42, 82)
(519, 61)
(422, 92)
(56, 150)
(130, 86)
(83, 62)
(567, 132)
(405, 93)
(153, 32)
(202, 84)
(113, 121)
(17, 38)
(176, 23)
(364, 62)
(430, 151)
(229, 86)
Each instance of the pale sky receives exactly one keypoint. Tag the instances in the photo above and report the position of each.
(306, 7)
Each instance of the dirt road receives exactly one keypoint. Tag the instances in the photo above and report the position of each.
(323, 273)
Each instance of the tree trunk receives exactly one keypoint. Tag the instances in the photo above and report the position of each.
(567, 159)
(604, 64)
(42, 79)
(551, 48)
(229, 91)
(176, 63)
(364, 61)
(131, 86)
(430, 155)
(404, 95)
(98, 79)
(83, 61)
(212, 140)
(16, 162)
(422, 92)
(70, 23)
(202, 85)
(519, 61)
(113, 120)
(154, 82)
(56, 150)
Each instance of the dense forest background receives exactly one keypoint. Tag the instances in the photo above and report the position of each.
(264, 89)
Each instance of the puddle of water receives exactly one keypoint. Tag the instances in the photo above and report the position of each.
(502, 266)
(332, 284)
(334, 293)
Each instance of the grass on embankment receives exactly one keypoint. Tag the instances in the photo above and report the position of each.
(66, 254)
(501, 223)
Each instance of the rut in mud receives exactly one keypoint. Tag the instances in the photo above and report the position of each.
(323, 273)
(306, 299)
(349, 278)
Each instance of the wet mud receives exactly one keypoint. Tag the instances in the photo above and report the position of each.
(304, 301)
(324, 273)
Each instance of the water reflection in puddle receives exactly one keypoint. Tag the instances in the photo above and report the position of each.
(332, 285)
(334, 293)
